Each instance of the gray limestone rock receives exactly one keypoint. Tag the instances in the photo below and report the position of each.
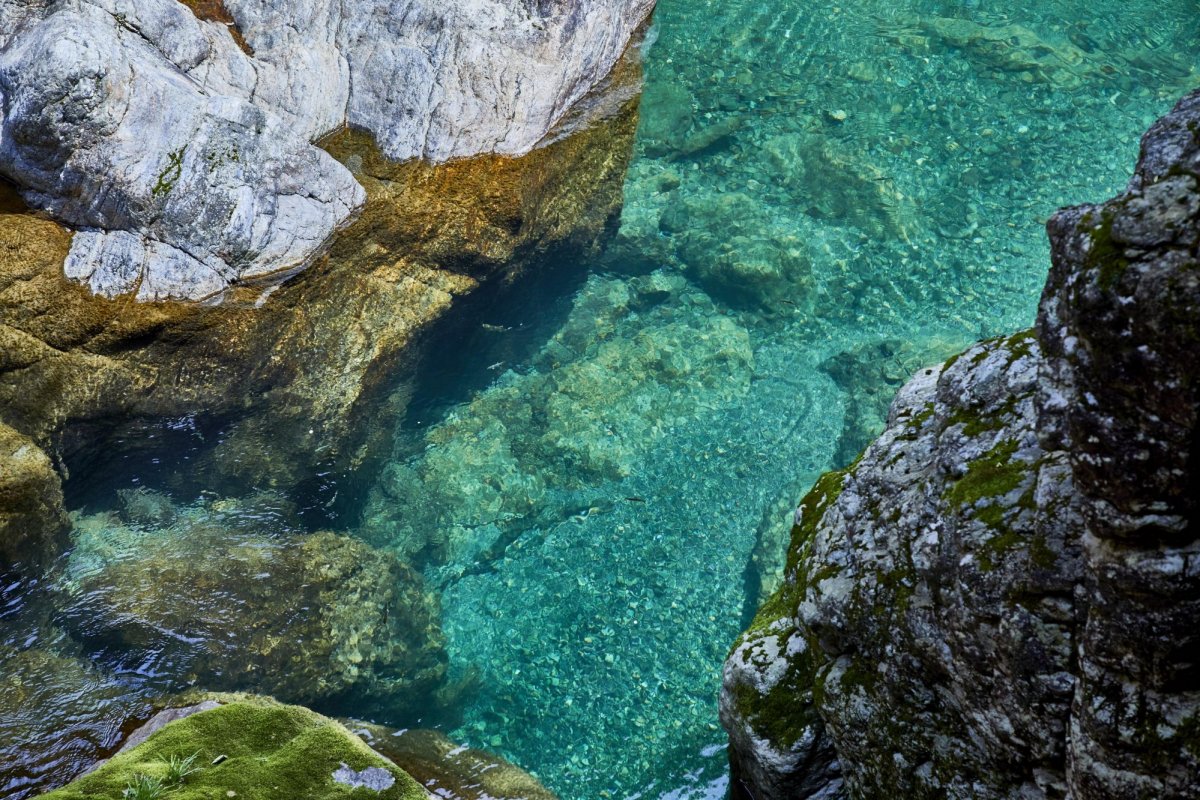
(999, 599)
(185, 161)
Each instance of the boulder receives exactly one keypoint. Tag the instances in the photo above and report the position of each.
(227, 597)
(995, 600)
(227, 187)
(290, 376)
(255, 748)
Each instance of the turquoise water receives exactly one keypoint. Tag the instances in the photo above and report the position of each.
(822, 201)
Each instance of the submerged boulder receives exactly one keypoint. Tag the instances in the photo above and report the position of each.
(995, 600)
(32, 522)
(227, 598)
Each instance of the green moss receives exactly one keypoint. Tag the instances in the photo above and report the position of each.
(1104, 255)
(170, 174)
(273, 752)
(859, 675)
(1020, 345)
(994, 474)
(1043, 556)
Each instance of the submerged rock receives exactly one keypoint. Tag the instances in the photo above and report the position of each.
(290, 378)
(226, 598)
(994, 602)
(449, 770)
(252, 747)
(632, 360)
(32, 522)
(228, 186)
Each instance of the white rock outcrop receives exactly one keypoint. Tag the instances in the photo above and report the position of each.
(186, 164)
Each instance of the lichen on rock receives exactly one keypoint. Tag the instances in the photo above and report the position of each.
(996, 604)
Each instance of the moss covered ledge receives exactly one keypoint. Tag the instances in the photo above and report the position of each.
(271, 752)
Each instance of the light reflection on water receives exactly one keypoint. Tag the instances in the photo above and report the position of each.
(598, 480)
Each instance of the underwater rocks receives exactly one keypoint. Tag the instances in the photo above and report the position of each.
(226, 597)
(996, 600)
(228, 187)
(275, 384)
(251, 747)
(634, 359)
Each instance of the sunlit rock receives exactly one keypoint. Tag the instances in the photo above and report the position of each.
(182, 154)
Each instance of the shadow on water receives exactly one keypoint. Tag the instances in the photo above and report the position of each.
(491, 330)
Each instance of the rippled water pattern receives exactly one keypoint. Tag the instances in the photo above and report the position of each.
(824, 199)
(851, 191)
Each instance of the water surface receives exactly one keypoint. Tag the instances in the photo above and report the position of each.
(598, 479)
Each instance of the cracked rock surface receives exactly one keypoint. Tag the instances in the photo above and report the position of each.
(998, 599)
(181, 149)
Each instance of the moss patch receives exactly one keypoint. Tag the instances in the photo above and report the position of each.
(1104, 255)
(273, 752)
(994, 474)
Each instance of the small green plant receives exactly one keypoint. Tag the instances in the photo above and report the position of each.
(178, 768)
(143, 787)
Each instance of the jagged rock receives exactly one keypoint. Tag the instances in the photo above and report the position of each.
(227, 187)
(222, 601)
(291, 376)
(996, 601)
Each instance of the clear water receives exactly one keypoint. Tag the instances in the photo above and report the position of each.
(824, 199)
(879, 172)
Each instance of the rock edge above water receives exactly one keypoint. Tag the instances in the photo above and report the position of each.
(998, 599)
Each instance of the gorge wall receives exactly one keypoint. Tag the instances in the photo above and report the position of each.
(998, 598)
(88, 368)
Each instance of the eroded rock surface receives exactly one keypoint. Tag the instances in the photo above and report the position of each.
(290, 376)
(179, 146)
(998, 600)
(227, 597)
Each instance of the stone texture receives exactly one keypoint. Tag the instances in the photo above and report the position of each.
(998, 600)
(176, 139)
(228, 597)
(291, 375)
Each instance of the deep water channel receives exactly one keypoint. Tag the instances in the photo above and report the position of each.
(824, 198)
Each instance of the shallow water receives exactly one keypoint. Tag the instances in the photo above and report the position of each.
(850, 192)
(600, 483)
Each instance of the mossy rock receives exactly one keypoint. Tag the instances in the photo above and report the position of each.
(272, 752)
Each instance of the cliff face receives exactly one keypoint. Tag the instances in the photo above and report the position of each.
(998, 599)
(180, 146)
(291, 373)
